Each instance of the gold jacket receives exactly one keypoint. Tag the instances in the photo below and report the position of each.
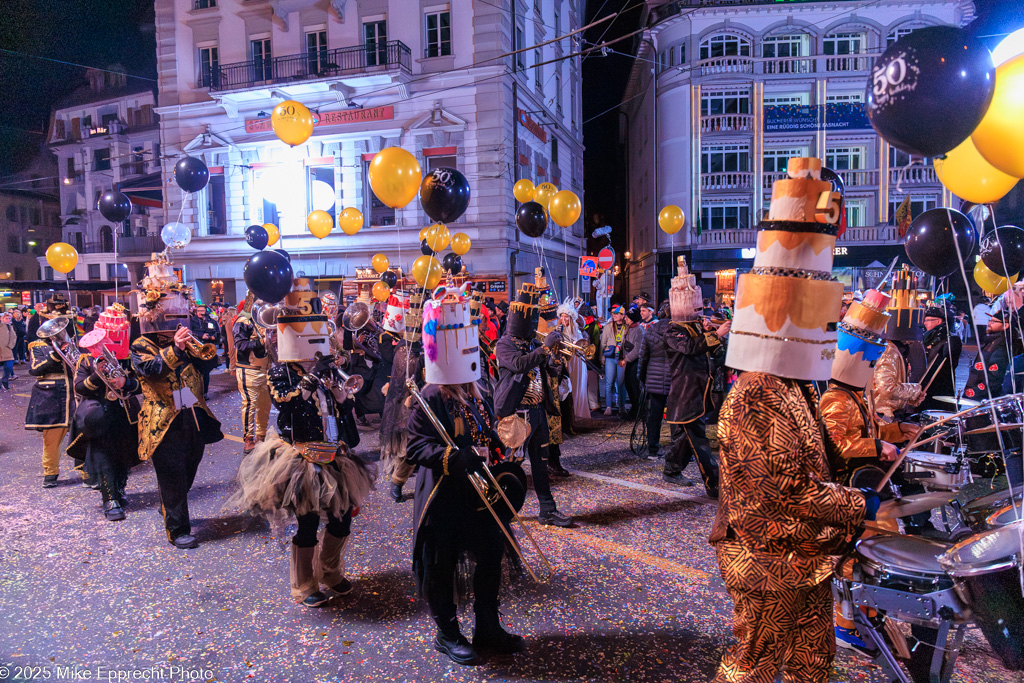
(890, 389)
(162, 371)
(780, 519)
(855, 432)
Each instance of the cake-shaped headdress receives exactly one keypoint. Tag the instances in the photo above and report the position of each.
(394, 314)
(524, 312)
(547, 303)
(163, 300)
(116, 327)
(451, 336)
(414, 316)
(684, 297)
(861, 340)
(788, 305)
(906, 321)
(302, 329)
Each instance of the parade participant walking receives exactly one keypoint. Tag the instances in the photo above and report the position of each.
(8, 341)
(308, 469)
(175, 424)
(943, 351)
(655, 375)
(592, 331)
(52, 404)
(569, 328)
(19, 322)
(611, 350)
(251, 362)
(450, 523)
(524, 366)
(780, 521)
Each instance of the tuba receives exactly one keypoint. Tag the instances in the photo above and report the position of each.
(55, 332)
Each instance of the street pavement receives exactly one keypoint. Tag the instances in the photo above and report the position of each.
(636, 595)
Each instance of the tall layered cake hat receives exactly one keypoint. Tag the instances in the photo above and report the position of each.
(302, 329)
(861, 340)
(114, 323)
(684, 297)
(906, 322)
(547, 302)
(414, 316)
(163, 300)
(788, 305)
(451, 336)
(524, 312)
(394, 314)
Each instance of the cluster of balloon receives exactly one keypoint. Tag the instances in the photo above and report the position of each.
(426, 271)
(444, 194)
(930, 241)
(268, 274)
(531, 219)
(176, 235)
(1002, 250)
(523, 191)
(257, 237)
(350, 220)
(320, 223)
(380, 291)
(390, 278)
(292, 122)
(191, 174)
(564, 208)
(62, 257)
(671, 219)
(395, 176)
(991, 283)
(380, 262)
(115, 206)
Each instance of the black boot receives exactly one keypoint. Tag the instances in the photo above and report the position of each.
(492, 637)
(555, 462)
(451, 642)
(396, 493)
(113, 511)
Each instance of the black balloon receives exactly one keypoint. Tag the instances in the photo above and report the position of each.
(929, 90)
(390, 278)
(256, 236)
(269, 275)
(115, 206)
(425, 248)
(930, 244)
(444, 194)
(1002, 250)
(531, 219)
(191, 174)
(452, 263)
(284, 253)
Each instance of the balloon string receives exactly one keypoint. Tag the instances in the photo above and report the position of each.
(901, 174)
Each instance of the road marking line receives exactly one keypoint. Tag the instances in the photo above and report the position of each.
(644, 487)
(632, 554)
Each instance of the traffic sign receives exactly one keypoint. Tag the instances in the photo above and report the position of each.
(588, 266)
(606, 258)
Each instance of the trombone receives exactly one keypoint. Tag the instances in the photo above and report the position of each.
(198, 349)
(481, 485)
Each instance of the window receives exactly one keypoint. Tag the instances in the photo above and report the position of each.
(101, 160)
(554, 150)
(216, 206)
(775, 160)
(898, 33)
(724, 45)
(918, 205)
(14, 244)
(70, 165)
(844, 158)
(558, 93)
(856, 212)
(725, 159)
(855, 97)
(438, 34)
(47, 273)
(37, 216)
(732, 216)
(375, 36)
(204, 4)
(106, 239)
(898, 158)
(785, 99)
(537, 69)
(262, 62)
(320, 191)
(12, 213)
(572, 105)
(316, 51)
(94, 271)
(117, 271)
(714, 103)
(378, 212)
(518, 44)
(785, 46)
(441, 161)
(844, 43)
(209, 67)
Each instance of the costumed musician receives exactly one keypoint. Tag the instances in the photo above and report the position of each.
(943, 350)
(250, 342)
(896, 384)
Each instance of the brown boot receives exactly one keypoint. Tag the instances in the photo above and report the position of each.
(303, 579)
(330, 567)
(249, 445)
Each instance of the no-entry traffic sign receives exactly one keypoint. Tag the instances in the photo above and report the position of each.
(606, 258)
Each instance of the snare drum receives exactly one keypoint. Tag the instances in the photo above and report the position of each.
(935, 471)
(903, 563)
(985, 570)
(1004, 517)
(977, 511)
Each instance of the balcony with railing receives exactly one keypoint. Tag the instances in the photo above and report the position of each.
(129, 168)
(730, 64)
(739, 237)
(747, 237)
(851, 178)
(913, 175)
(139, 246)
(731, 180)
(788, 65)
(726, 123)
(875, 234)
(853, 62)
(342, 61)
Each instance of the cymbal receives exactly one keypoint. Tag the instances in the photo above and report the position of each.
(966, 402)
(912, 505)
(991, 429)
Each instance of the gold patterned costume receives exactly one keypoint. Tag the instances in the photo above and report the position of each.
(891, 391)
(856, 433)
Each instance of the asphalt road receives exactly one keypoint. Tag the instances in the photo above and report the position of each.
(636, 594)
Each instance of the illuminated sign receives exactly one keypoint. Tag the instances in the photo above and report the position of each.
(330, 118)
(529, 124)
(839, 251)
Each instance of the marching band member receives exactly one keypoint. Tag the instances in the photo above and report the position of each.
(105, 432)
(903, 361)
(943, 351)
(450, 520)
(307, 468)
(251, 361)
(175, 424)
(52, 361)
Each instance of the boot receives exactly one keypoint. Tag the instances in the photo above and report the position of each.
(451, 642)
(113, 511)
(330, 565)
(303, 580)
(555, 462)
(248, 445)
(491, 636)
(396, 493)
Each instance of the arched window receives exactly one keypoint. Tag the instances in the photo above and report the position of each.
(106, 239)
(779, 50)
(724, 45)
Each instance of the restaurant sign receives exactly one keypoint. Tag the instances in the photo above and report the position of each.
(330, 118)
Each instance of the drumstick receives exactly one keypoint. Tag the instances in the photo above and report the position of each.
(913, 442)
(941, 365)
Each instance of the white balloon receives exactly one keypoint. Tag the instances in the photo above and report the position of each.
(176, 235)
(322, 195)
(1009, 47)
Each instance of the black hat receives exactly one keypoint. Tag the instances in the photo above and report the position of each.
(998, 316)
(502, 306)
(586, 311)
(490, 305)
(634, 313)
(935, 312)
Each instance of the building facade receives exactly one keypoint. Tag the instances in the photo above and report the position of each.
(433, 78)
(724, 92)
(105, 136)
(29, 223)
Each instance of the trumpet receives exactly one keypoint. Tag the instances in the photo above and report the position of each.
(198, 349)
(570, 349)
(339, 378)
(54, 331)
(264, 320)
(489, 492)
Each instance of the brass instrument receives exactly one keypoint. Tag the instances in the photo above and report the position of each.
(487, 491)
(570, 349)
(339, 378)
(198, 349)
(54, 331)
(357, 316)
(106, 365)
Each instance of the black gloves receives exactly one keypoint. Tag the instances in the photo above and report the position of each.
(552, 340)
(309, 383)
(464, 460)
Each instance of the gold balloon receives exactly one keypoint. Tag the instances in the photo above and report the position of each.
(320, 223)
(273, 234)
(461, 243)
(380, 263)
(565, 208)
(423, 233)
(426, 271)
(380, 291)
(1000, 135)
(438, 237)
(543, 193)
(292, 122)
(62, 257)
(989, 281)
(351, 220)
(671, 219)
(523, 190)
(395, 176)
(966, 174)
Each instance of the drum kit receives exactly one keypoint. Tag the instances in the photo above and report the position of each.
(941, 587)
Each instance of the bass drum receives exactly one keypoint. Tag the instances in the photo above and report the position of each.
(986, 573)
(975, 513)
